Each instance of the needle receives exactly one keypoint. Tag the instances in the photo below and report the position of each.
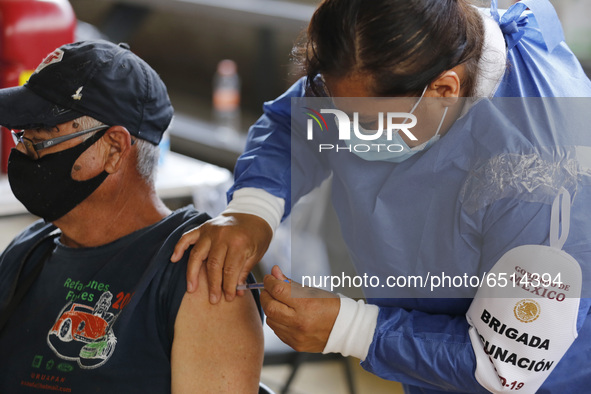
(250, 286)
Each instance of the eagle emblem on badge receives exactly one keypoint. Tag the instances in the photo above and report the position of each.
(527, 310)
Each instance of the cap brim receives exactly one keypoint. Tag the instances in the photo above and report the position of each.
(20, 108)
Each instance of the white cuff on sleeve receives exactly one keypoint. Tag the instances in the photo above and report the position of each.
(353, 330)
(257, 202)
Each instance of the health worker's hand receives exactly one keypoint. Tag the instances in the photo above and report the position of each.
(230, 245)
(302, 317)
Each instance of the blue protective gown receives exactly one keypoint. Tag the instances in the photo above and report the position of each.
(483, 189)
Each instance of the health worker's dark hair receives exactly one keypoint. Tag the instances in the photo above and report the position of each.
(402, 45)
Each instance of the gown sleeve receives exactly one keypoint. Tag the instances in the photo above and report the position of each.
(433, 350)
(268, 163)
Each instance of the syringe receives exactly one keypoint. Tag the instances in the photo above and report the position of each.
(250, 286)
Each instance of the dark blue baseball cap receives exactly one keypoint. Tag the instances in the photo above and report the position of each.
(99, 79)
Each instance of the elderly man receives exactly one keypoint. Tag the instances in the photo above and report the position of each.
(89, 301)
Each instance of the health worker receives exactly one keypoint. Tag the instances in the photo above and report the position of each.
(496, 181)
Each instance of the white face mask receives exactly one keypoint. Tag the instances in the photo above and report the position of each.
(405, 151)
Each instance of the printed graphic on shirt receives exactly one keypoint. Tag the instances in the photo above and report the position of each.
(84, 333)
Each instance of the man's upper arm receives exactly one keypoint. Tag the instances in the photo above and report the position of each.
(216, 348)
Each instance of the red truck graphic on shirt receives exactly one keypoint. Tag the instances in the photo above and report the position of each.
(81, 324)
(88, 325)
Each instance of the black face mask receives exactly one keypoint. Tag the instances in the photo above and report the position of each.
(45, 186)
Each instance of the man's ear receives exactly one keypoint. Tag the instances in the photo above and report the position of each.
(118, 140)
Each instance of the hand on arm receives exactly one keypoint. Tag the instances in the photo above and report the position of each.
(235, 241)
(230, 245)
(217, 348)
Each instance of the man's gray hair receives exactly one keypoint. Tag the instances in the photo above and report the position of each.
(147, 154)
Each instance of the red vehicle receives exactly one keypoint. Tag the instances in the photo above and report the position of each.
(81, 324)
(29, 30)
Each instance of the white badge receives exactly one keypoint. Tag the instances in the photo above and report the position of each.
(522, 326)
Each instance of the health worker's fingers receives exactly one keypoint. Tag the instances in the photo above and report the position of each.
(233, 271)
(215, 271)
(189, 238)
(291, 338)
(230, 244)
(197, 257)
(302, 323)
(275, 310)
(278, 288)
(282, 331)
(241, 280)
(277, 273)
